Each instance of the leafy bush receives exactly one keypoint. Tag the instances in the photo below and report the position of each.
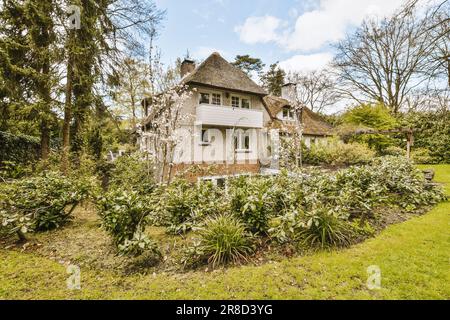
(183, 204)
(223, 239)
(369, 116)
(350, 195)
(395, 151)
(132, 172)
(406, 185)
(422, 156)
(138, 245)
(41, 201)
(252, 200)
(337, 153)
(432, 131)
(19, 150)
(124, 216)
(123, 213)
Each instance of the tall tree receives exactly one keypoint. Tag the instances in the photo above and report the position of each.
(28, 53)
(248, 64)
(133, 83)
(315, 89)
(385, 61)
(273, 79)
(108, 29)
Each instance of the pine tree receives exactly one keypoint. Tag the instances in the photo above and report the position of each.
(273, 79)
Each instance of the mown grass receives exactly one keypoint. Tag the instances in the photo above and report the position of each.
(413, 257)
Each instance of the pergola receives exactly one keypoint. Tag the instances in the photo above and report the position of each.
(409, 133)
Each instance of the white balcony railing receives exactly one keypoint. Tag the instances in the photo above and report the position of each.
(227, 116)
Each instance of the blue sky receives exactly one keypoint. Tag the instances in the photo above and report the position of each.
(298, 33)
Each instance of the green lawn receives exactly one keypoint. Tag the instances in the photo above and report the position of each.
(413, 257)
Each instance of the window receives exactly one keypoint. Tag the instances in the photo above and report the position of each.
(216, 99)
(288, 114)
(242, 141)
(204, 98)
(220, 182)
(239, 102)
(205, 136)
(245, 103)
(235, 102)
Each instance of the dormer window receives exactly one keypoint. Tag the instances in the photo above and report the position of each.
(288, 113)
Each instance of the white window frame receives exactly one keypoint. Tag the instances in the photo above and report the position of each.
(240, 97)
(205, 140)
(290, 116)
(240, 137)
(210, 100)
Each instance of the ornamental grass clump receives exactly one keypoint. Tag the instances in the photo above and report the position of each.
(223, 239)
(323, 227)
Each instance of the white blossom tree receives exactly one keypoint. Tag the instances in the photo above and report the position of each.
(162, 132)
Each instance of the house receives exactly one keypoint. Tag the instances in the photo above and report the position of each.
(315, 128)
(232, 127)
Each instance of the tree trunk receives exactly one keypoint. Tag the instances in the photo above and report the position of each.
(45, 140)
(67, 115)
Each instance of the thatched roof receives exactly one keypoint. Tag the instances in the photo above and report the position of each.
(216, 72)
(313, 123)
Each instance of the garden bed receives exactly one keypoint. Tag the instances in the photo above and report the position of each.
(147, 228)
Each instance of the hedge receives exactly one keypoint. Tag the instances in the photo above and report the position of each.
(20, 149)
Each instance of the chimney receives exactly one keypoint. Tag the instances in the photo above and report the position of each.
(187, 66)
(288, 91)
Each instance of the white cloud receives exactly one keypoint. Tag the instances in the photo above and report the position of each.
(329, 22)
(325, 23)
(259, 29)
(308, 62)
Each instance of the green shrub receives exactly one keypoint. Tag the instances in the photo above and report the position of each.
(395, 151)
(406, 185)
(224, 239)
(252, 200)
(19, 150)
(337, 153)
(46, 201)
(422, 156)
(123, 213)
(325, 227)
(183, 204)
(124, 216)
(132, 172)
(369, 116)
(349, 195)
(139, 244)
